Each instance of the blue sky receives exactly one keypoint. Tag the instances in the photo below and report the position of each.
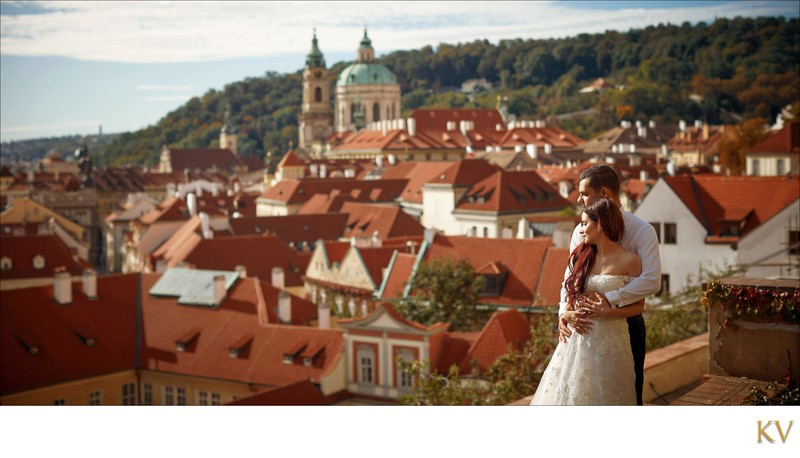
(69, 67)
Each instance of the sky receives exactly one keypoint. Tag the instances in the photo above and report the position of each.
(70, 67)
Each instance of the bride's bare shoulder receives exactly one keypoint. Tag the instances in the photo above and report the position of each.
(633, 263)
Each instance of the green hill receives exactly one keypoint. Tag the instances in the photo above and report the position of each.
(733, 69)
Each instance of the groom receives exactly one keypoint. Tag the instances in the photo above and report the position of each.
(640, 237)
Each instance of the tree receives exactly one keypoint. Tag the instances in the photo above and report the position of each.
(444, 290)
(745, 135)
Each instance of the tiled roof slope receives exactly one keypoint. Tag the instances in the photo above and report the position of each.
(258, 253)
(398, 276)
(201, 158)
(302, 393)
(260, 361)
(548, 290)
(714, 199)
(465, 172)
(22, 250)
(523, 257)
(417, 175)
(504, 329)
(522, 136)
(786, 140)
(512, 191)
(294, 228)
(293, 191)
(385, 221)
(32, 316)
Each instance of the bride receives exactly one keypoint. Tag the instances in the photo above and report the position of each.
(595, 368)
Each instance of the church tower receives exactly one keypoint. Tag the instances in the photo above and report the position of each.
(227, 136)
(316, 118)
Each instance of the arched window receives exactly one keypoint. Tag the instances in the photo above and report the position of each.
(353, 112)
(5, 263)
(318, 94)
(376, 112)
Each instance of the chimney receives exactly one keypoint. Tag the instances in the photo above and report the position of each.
(705, 132)
(215, 190)
(219, 289)
(517, 148)
(698, 124)
(652, 124)
(90, 283)
(614, 148)
(533, 151)
(412, 127)
(643, 175)
(62, 286)
(277, 278)
(191, 204)
(285, 307)
(451, 126)
(379, 160)
(313, 169)
(392, 159)
(323, 171)
(548, 148)
(242, 270)
(205, 226)
(682, 125)
(632, 148)
(323, 316)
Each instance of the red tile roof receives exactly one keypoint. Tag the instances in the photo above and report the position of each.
(335, 251)
(524, 259)
(170, 209)
(507, 191)
(418, 174)
(521, 136)
(713, 198)
(258, 253)
(302, 393)
(548, 289)
(398, 276)
(32, 316)
(261, 362)
(290, 160)
(294, 229)
(376, 259)
(505, 329)
(366, 220)
(293, 191)
(465, 172)
(22, 250)
(201, 159)
(786, 140)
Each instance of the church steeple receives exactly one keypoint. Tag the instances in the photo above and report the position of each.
(366, 53)
(315, 59)
(227, 135)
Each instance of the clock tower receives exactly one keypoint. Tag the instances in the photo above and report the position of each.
(316, 117)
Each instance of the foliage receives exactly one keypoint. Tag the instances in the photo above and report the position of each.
(511, 377)
(754, 303)
(734, 147)
(444, 290)
(737, 68)
(774, 395)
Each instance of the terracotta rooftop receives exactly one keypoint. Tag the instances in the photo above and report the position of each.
(507, 191)
(368, 220)
(786, 140)
(22, 251)
(296, 229)
(303, 393)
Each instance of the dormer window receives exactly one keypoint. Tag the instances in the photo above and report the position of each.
(241, 347)
(85, 338)
(293, 352)
(187, 341)
(38, 262)
(5, 263)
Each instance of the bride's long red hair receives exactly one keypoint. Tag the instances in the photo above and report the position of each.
(609, 217)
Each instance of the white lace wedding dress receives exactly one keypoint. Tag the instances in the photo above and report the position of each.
(594, 368)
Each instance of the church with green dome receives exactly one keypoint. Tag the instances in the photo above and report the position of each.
(366, 92)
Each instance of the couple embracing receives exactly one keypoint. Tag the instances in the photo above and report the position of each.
(613, 266)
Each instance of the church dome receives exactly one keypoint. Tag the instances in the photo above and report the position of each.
(362, 73)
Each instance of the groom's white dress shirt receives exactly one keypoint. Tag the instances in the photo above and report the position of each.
(640, 237)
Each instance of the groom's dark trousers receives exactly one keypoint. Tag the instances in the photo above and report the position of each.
(637, 333)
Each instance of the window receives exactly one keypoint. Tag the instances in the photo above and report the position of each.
(5, 263)
(181, 396)
(148, 394)
(657, 227)
(353, 112)
(781, 167)
(59, 402)
(755, 167)
(376, 112)
(794, 243)
(95, 398)
(664, 285)
(214, 399)
(128, 394)
(318, 94)
(169, 396)
(203, 398)
(366, 364)
(404, 378)
(670, 233)
(485, 232)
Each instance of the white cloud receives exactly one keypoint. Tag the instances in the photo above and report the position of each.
(197, 31)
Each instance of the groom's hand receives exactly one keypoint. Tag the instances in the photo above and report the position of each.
(597, 304)
(578, 320)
